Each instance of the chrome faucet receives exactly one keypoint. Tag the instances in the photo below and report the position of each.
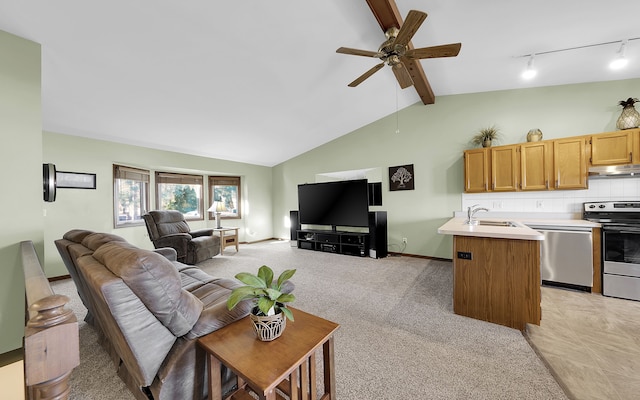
(471, 211)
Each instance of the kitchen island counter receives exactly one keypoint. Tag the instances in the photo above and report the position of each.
(458, 227)
(496, 271)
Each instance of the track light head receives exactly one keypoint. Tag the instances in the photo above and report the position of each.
(621, 60)
(530, 72)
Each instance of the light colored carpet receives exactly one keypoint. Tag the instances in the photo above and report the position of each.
(398, 339)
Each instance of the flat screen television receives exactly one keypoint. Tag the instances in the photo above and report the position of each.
(342, 203)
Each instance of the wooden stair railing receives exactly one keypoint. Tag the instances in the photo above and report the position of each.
(51, 341)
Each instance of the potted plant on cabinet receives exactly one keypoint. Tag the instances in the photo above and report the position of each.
(269, 313)
(485, 136)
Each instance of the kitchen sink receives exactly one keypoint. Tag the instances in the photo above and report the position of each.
(497, 223)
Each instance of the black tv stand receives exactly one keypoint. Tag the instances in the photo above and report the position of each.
(333, 241)
(372, 243)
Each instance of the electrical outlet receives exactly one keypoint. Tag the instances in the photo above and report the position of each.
(539, 204)
(404, 240)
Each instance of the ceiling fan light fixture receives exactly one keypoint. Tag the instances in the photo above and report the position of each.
(398, 53)
(621, 60)
(530, 72)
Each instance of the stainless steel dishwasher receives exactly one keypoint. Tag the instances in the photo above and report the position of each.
(566, 256)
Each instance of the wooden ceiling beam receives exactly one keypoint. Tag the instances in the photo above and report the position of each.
(387, 14)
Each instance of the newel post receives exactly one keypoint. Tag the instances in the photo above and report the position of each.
(51, 339)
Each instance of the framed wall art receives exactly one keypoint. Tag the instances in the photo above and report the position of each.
(401, 177)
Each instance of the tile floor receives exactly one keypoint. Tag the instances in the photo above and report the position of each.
(591, 343)
(11, 381)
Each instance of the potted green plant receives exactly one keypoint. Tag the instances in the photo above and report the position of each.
(269, 313)
(485, 136)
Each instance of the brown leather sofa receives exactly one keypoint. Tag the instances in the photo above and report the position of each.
(168, 228)
(149, 310)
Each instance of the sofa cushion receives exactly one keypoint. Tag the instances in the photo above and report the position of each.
(77, 235)
(76, 250)
(135, 337)
(95, 240)
(155, 281)
(168, 253)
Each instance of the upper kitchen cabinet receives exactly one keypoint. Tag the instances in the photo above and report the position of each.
(559, 164)
(535, 165)
(504, 168)
(570, 163)
(636, 145)
(613, 148)
(476, 170)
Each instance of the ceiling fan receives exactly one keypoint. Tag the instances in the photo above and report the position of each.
(396, 50)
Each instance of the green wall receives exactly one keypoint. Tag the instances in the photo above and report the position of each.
(21, 176)
(433, 137)
(92, 209)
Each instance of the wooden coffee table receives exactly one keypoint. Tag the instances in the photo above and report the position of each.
(287, 363)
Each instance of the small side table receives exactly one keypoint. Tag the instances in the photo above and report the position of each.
(287, 363)
(228, 237)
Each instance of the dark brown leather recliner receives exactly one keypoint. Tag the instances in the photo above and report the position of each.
(169, 229)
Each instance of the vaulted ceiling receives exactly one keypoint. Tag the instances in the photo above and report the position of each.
(261, 82)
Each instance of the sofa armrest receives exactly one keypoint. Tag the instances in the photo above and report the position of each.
(168, 252)
(287, 287)
(215, 314)
(202, 232)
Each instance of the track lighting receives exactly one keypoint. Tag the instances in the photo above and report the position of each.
(530, 72)
(621, 60)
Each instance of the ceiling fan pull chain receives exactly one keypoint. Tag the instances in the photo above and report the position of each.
(397, 117)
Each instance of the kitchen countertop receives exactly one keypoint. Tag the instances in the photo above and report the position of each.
(457, 226)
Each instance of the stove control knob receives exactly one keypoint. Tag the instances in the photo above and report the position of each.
(601, 206)
(592, 206)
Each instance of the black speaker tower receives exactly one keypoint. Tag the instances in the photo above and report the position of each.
(378, 234)
(295, 224)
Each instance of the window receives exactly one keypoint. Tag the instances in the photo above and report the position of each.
(180, 192)
(226, 191)
(130, 195)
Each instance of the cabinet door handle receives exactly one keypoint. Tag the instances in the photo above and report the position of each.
(630, 156)
(546, 183)
(485, 187)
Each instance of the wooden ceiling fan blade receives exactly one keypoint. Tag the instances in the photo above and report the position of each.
(445, 50)
(367, 74)
(410, 27)
(402, 75)
(357, 52)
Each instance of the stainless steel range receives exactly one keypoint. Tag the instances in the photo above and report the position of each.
(620, 246)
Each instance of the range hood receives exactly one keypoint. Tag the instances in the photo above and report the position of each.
(615, 171)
